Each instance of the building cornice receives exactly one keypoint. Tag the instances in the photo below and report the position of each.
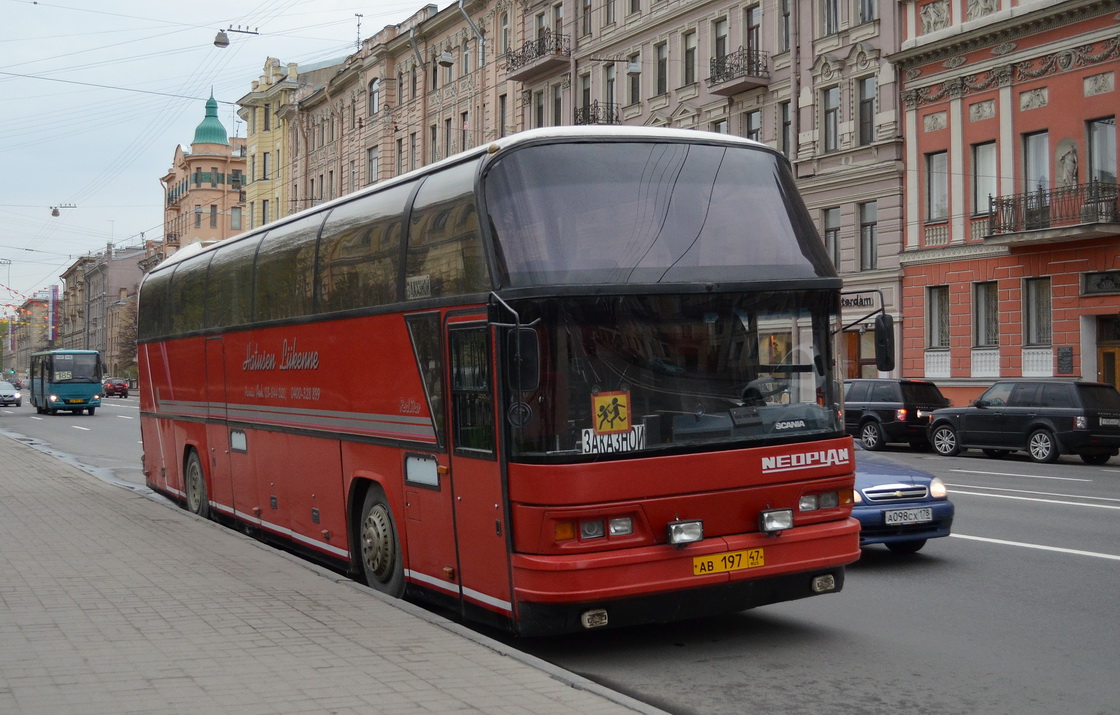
(950, 253)
(965, 38)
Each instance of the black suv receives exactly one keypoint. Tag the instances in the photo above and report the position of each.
(1044, 418)
(878, 411)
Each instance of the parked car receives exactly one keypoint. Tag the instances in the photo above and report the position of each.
(883, 411)
(899, 506)
(115, 386)
(1044, 418)
(9, 395)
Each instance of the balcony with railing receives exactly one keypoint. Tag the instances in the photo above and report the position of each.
(739, 71)
(599, 113)
(1067, 213)
(548, 53)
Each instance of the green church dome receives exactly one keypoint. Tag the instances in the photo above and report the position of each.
(211, 131)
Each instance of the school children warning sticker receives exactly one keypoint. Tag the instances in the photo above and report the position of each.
(612, 412)
(612, 431)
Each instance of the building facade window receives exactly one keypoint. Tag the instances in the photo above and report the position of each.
(464, 122)
(635, 6)
(558, 101)
(372, 169)
(610, 12)
(267, 113)
(752, 24)
(783, 25)
(266, 165)
(1036, 161)
(830, 221)
(1102, 150)
(688, 43)
(867, 10)
(985, 311)
(503, 114)
(1036, 311)
(265, 216)
(868, 92)
(937, 309)
(720, 126)
(831, 101)
(661, 52)
(235, 218)
(983, 176)
(719, 38)
(374, 99)
(830, 17)
(752, 125)
(634, 81)
(503, 33)
(213, 215)
(868, 236)
(609, 83)
(785, 135)
(937, 186)
(538, 109)
(198, 215)
(585, 17)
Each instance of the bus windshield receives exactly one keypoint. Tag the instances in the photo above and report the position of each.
(78, 367)
(632, 374)
(631, 212)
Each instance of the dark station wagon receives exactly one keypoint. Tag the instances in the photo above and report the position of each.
(1044, 418)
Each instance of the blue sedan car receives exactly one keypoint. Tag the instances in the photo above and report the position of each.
(898, 506)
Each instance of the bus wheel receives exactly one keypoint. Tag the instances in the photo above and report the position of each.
(197, 500)
(91, 411)
(381, 550)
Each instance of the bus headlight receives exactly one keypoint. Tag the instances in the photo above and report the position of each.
(53, 398)
(685, 532)
(775, 520)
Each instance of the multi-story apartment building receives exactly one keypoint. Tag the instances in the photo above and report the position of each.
(203, 193)
(1012, 246)
(34, 327)
(809, 79)
(72, 333)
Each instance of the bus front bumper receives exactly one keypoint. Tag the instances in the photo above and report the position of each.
(560, 594)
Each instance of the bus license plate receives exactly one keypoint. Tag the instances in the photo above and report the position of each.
(909, 516)
(729, 561)
(75, 402)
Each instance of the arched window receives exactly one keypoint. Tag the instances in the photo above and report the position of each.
(374, 96)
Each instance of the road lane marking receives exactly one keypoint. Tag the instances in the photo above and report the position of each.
(84, 429)
(1025, 476)
(1047, 501)
(1028, 491)
(1040, 547)
(126, 417)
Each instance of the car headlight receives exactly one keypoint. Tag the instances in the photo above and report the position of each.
(937, 489)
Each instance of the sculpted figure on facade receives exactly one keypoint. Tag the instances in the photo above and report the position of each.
(981, 8)
(935, 16)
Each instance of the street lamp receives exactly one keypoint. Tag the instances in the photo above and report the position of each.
(222, 39)
(55, 209)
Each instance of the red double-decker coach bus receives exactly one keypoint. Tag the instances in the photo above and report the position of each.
(578, 377)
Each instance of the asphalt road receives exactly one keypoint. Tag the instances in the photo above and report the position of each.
(1015, 613)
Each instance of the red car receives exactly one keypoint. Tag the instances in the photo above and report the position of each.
(115, 386)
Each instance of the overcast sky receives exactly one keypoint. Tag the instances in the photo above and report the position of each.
(95, 101)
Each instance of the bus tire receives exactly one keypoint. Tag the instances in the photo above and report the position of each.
(194, 483)
(91, 411)
(379, 545)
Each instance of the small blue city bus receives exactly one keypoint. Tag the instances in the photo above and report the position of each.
(66, 380)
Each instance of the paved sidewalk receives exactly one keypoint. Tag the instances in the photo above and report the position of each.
(113, 602)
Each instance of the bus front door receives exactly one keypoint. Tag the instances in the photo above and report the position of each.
(481, 530)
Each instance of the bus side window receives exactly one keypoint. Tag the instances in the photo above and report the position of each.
(472, 404)
(359, 252)
(155, 293)
(445, 251)
(284, 279)
(188, 294)
(230, 295)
